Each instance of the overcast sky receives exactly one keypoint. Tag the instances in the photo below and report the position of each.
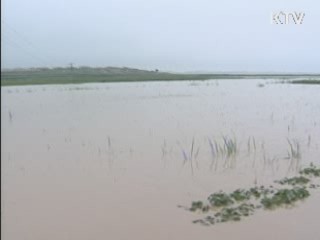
(171, 35)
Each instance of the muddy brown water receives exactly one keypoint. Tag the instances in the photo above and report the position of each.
(113, 161)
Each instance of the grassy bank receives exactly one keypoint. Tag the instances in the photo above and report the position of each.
(101, 75)
(310, 82)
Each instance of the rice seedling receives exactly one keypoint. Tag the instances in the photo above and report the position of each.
(294, 154)
(272, 118)
(110, 152)
(109, 142)
(185, 157)
(309, 141)
(196, 156)
(10, 116)
(230, 145)
(165, 152)
(192, 156)
(164, 149)
(251, 148)
(230, 150)
(212, 148)
(254, 143)
(226, 150)
(251, 144)
(213, 151)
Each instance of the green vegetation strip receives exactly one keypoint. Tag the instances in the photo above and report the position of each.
(244, 202)
(310, 82)
(113, 74)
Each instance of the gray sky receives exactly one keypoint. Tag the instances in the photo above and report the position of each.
(171, 35)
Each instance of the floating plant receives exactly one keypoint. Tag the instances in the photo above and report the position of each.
(240, 195)
(312, 171)
(199, 206)
(228, 214)
(301, 180)
(285, 197)
(242, 203)
(220, 199)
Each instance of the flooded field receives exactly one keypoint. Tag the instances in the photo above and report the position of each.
(114, 161)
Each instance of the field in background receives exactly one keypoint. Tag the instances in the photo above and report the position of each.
(113, 74)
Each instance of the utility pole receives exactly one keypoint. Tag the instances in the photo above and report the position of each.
(71, 66)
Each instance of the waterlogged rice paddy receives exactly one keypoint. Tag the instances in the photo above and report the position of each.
(219, 159)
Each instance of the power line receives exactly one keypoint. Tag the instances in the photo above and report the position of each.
(28, 53)
(29, 47)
